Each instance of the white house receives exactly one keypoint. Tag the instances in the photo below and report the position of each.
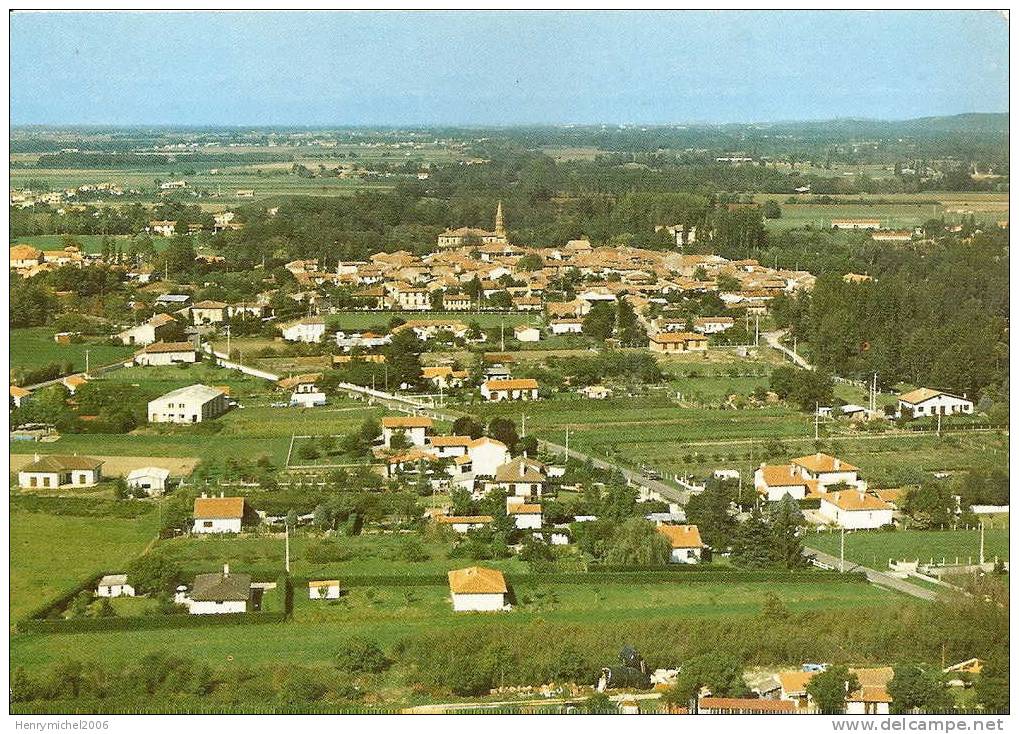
(152, 479)
(595, 392)
(806, 476)
(478, 589)
(444, 376)
(209, 312)
(414, 427)
(712, 324)
(497, 390)
(521, 477)
(192, 404)
(218, 514)
(310, 329)
(324, 589)
(450, 446)
(926, 402)
(218, 593)
(114, 585)
(524, 333)
(19, 395)
(855, 510)
(487, 455)
(873, 696)
(526, 516)
(558, 327)
(53, 471)
(367, 339)
(464, 523)
(685, 541)
(166, 353)
(153, 330)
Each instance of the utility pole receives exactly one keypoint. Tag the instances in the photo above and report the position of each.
(523, 425)
(86, 361)
(939, 423)
(567, 443)
(981, 543)
(817, 415)
(228, 341)
(757, 329)
(286, 541)
(502, 335)
(842, 552)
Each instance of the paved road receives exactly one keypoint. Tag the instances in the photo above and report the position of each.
(878, 578)
(773, 338)
(439, 708)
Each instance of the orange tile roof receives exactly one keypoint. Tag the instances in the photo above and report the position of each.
(673, 337)
(209, 508)
(322, 584)
(523, 509)
(794, 682)
(852, 500)
(429, 372)
(407, 421)
(451, 440)
(682, 536)
(761, 705)
(464, 519)
(522, 384)
(822, 463)
(19, 392)
(477, 580)
(781, 475)
(486, 440)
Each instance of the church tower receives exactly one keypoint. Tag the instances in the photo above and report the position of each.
(500, 225)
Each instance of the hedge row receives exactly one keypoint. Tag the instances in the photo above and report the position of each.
(111, 624)
(602, 576)
(60, 601)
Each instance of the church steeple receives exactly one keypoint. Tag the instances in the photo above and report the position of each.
(500, 225)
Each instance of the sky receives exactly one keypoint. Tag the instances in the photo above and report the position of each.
(502, 68)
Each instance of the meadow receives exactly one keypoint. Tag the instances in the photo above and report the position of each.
(874, 548)
(90, 243)
(50, 553)
(34, 347)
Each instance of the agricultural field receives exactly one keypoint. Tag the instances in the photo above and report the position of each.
(34, 347)
(90, 243)
(50, 552)
(874, 548)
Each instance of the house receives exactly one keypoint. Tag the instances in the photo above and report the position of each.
(854, 509)
(713, 324)
(218, 514)
(893, 235)
(414, 427)
(873, 697)
(54, 471)
(793, 687)
(927, 402)
(413, 299)
(444, 377)
(487, 455)
(526, 516)
(218, 593)
(163, 227)
(323, 589)
(209, 312)
(114, 585)
(430, 328)
(464, 523)
(155, 329)
(446, 446)
(310, 329)
(456, 302)
(25, 256)
(192, 404)
(305, 389)
(368, 340)
(497, 390)
(558, 327)
(524, 333)
(856, 224)
(151, 479)
(595, 392)
(685, 541)
(677, 342)
(166, 353)
(477, 589)
(521, 477)
(19, 395)
(805, 477)
(72, 382)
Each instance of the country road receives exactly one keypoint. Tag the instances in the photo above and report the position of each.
(773, 338)
(875, 577)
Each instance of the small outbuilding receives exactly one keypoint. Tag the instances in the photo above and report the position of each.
(114, 585)
(478, 589)
(324, 589)
(151, 479)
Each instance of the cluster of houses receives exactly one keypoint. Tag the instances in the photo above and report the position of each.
(59, 471)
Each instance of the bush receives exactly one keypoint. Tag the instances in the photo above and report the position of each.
(361, 655)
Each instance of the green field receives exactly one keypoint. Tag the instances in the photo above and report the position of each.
(875, 548)
(91, 243)
(50, 553)
(34, 347)
(389, 614)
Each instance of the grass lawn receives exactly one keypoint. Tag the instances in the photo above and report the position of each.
(362, 555)
(50, 553)
(874, 548)
(389, 614)
(34, 347)
(134, 606)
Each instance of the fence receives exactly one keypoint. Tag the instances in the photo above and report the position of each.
(223, 361)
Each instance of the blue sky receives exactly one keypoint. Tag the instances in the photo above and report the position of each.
(502, 68)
